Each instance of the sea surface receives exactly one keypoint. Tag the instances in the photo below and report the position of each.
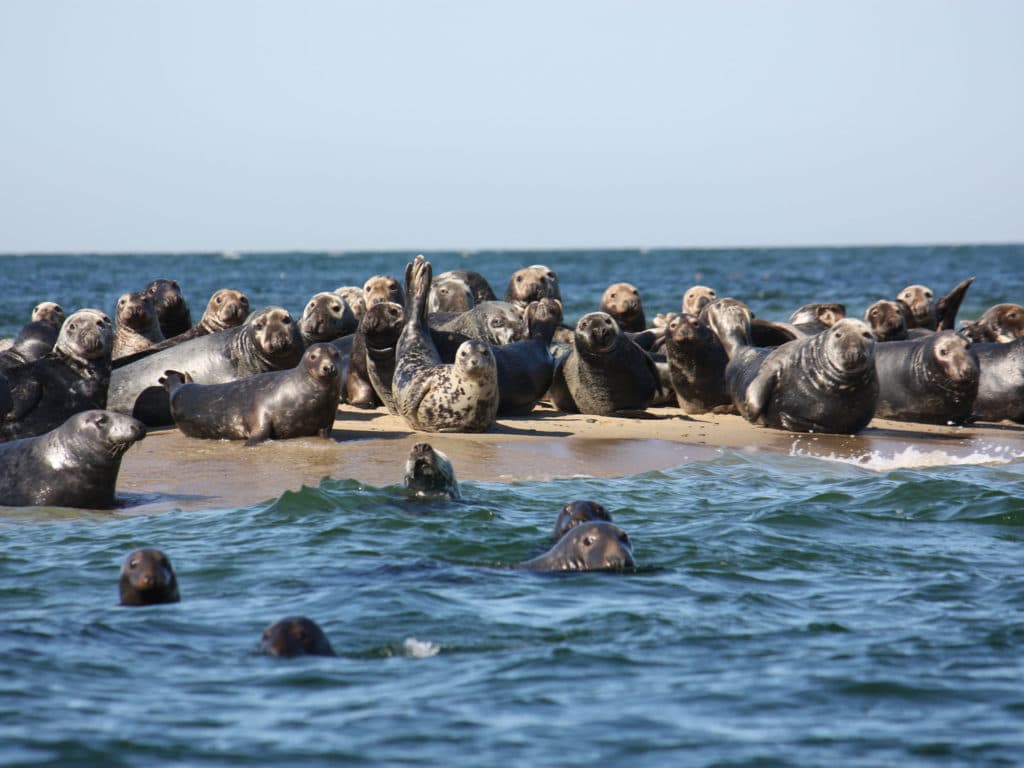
(788, 610)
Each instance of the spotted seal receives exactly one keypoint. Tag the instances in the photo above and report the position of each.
(496, 322)
(171, 307)
(73, 377)
(429, 472)
(295, 636)
(605, 372)
(274, 405)
(268, 340)
(933, 380)
(148, 578)
(136, 325)
(432, 396)
(590, 546)
(622, 302)
(74, 465)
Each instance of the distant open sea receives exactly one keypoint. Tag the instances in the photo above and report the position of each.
(788, 610)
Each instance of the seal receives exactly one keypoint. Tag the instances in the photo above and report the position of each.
(576, 512)
(429, 472)
(496, 322)
(273, 405)
(592, 546)
(815, 318)
(933, 380)
(33, 342)
(1001, 322)
(696, 298)
(49, 312)
(696, 364)
(821, 383)
(267, 341)
(74, 465)
(136, 326)
(477, 283)
(532, 283)
(526, 368)
(147, 578)
(938, 315)
(622, 302)
(432, 396)
(888, 320)
(295, 636)
(1001, 383)
(171, 307)
(450, 294)
(381, 288)
(73, 377)
(353, 296)
(358, 389)
(325, 318)
(380, 329)
(605, 371)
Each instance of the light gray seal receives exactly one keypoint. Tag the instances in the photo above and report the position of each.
(429, 473)
(148, 578)
(74, 465)
(591, 546)
(430, 395)
(326, 317)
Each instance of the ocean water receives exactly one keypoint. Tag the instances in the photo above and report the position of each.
(787, 609)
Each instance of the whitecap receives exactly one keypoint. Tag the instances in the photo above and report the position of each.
(420, 649)
(913, 457)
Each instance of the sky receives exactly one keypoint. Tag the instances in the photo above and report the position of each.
(247, 125)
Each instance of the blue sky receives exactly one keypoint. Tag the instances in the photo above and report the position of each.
(421, 125)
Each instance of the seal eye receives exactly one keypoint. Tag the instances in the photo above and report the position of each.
(218, 299)
(519, 278)
(287, 319)
(134, 563)
(589, 540)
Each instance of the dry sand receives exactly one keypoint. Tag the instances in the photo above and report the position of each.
(170, 471)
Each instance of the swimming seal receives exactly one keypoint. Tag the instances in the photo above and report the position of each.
(295, 636)
(622, 302)
(136, 325)
(147, 578)
(74, 465)
(279, 405)
(576, 512)
(267, 341)
(326, 317)
(430, 395)
(171, 307)
(604, 372)
(821, 383)
(73, 377)
(933, 380)
(429, 472)
(591, 546)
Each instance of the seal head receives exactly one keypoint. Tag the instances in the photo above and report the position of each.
(147, 578)
(295, 636)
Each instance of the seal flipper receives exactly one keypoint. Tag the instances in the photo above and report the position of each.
(947, 307)
(759, 391)
(559, 390)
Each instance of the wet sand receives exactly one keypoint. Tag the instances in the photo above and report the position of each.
(170, 471)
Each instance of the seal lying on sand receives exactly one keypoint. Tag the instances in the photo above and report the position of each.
(933, 380)
(1001, 383)
(74, 465)
(430, 395)
(429, 472)
(696, 364)
(73, 377)
(278, 405)
(591, 546)
(576, 512)
(1002, 323)
(267, 341)
(821, 383)
(295, 636)
(147, 578)
(605, 372)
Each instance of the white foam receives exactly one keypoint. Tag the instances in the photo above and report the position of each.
(420, 649)
(912, 457)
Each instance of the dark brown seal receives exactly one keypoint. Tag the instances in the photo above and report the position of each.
(605, 371)
(171, 307)
(622, 301)
(592, 546)
(888, 320)
(265, 406)
(430, 395)
(73, 465)
(1001, 382)
(33, 342)
(477, 283)
(380, 330)
(136, 326)
(295, 636)
(576, 512)
(429, 472)
(147, 578)
(73, 377)
(696, 364)
(532, 283)
(1002, 323)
